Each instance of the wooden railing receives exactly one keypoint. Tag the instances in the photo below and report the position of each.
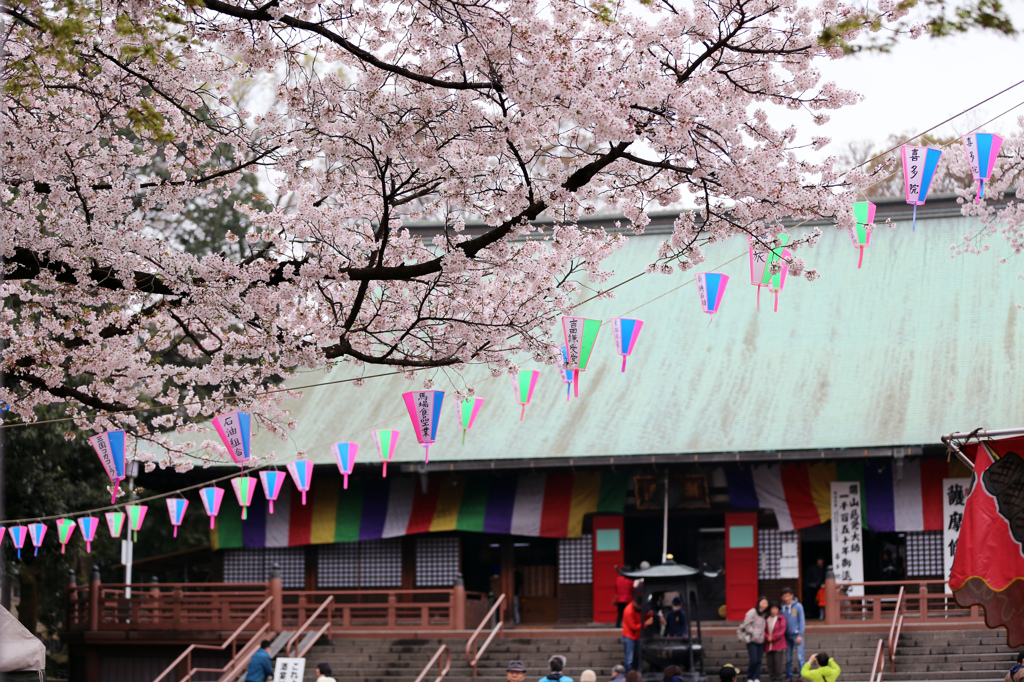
(443, 658)
(896, 628)
(878, 667)
(294, 647)
(382, 610)
(472, 654)
(923, 601)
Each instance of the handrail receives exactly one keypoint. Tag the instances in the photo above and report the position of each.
(896, 628)
(474, 657)
(239, 661)
(878, 667)
(442, 654)
(230, 641)
(305, 626)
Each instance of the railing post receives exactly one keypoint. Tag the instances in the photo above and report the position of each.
(70, 599)
(154, 595)
(922, 596)
(276, 606)
(392, 604)
(832, 616)
(94, 599)
(457, 609)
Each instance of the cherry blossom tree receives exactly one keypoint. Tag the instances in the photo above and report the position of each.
(496, 124)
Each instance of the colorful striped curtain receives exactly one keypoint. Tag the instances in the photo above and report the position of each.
(891, 500)
(535, 504)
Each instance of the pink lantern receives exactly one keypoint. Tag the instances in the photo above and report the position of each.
(272, 481)
(18, 535)
(211, 498)
(176, 507)
(244, 487)
(87, 525)
(345, 455)
(524, 382)
(36, 533)
(386, 441)
(302, 473)
(425, 412)
(115, 522)
(626, 332)
(711, 287)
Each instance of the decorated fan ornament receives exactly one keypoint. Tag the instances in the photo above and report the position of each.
(711, 287)
(626, 332)
(468, 410)
(425, 412)
(109, 447)
(982, 152)
(136, 515)
(244, 487)
(762, 259)
(176, 507)
(65, 529)
(919, 164)
(211, 498)
(36, 533)
(864, 214)
(345, 456)
(115, 523)
(580, 335)
(272, 481)
(386, 441)
(301, 471)
(87, 526)
(524, 382)
(234, 432)
(567, 374)
(18, 535)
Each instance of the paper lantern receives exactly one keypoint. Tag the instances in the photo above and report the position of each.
(36, 533)
(425, 412)
(65, 529)
(860, 234)
(626, 332)
(272, 481)
(567, 374)
(109, 447)
(386, 441)
(176, 507)
(302, 474)
(136, 514)
(468, 410)
(762, 259)
(778, 280)
(244, 487)
(211, 498)
(711, 287)
(524, 382)
(18, 535)
(3, 531)
(919, 164)
(580, 336)
(234, 432)
(345, 456)
(87, 526)
(115, 522)
(982, 152)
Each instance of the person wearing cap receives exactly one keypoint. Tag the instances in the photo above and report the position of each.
(515, 672)
(618, 674)
(557, 664)
(728, 672)
(676, 623)
(632, 624)
(793, 610)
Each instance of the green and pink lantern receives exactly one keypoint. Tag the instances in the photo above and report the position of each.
(115, 523)
(864, 214)
(711, 287)
(87, 526)
(18, 535)
(626, 332)
(301, 471)
(109, 447)
(176, 507)
(36, 533)
(65, 529)
(272, 481)
(136, 515)
(580, 336)
(244, 487)
(762, 261)
(425, 412)
(468, 410)
(524, 382)
(567, 374)
(211, 498)
(777, 282)
(386, 441)
(233, 428)
(345, 456)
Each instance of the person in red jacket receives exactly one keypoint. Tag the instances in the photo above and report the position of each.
(775, 643)
(632, 624)
(623, 594)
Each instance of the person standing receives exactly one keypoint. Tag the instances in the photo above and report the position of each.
(821, 668)
(796, 624)
(618, 673)
(775, 643)
(323, 673)
(557, 664)
(676, 622)
(632, 624)
(1016, 673)
(623, 594)
(814, 579)
(515, 672)
(751, 632)
(259, 665)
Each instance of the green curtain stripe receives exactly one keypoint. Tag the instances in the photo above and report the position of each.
(473, 509)
(612, 499)
(349, 515)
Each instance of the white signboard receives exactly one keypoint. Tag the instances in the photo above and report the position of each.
(847, 536)
(954, 495)
(289, 669)
(789, 562)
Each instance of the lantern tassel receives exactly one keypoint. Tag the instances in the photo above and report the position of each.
(776, 301)
(522, 412)
(981, 191)
(913, 225)
(710, 318)
(245, 513)
(175, 534)
(576, 384)
(385, 469)
(62, 548)
(303, 498)
(344, 483)
(212, 521)
(568, 392)
(861, 258)
(272, 502)
(624, 363)
(426, 454)
(463, 442)
(88, 548)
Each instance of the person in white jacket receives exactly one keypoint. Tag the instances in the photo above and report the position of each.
(751, 633)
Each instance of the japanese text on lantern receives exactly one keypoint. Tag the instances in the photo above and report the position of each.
(234, 435)
(954, 501)
(847, 538)
(102, 446)
(423, 412)
(573, 342)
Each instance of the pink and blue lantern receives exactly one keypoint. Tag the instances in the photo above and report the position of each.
(567, 374)
(425, 412)
(115, 523)
(345, 456)
(626, 332)
(109, 447)
(176, 507)
(234, 432)
(711, 287)
(386, 441)
(18, 535)
(36, 533)
(272, 481)
(244, 487)
(302, 474)
(87, 526)
(919, 164)
(3, 531)
(65, 529)
(211, 498)
(982, 152)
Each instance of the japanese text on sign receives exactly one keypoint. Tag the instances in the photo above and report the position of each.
(847, 536)
(954, 500)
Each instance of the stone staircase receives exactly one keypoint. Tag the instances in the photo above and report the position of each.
(946, 656)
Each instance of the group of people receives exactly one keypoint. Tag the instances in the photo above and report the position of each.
(516, 672)
(260, 666)
(775, 637)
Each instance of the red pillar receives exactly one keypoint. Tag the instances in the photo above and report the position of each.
(740, 564)
(606, 554)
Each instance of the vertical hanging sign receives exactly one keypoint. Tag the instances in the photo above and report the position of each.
(847, 536)
(953, 499)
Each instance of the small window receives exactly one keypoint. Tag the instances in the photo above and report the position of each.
(741, 537)
(608, 540)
